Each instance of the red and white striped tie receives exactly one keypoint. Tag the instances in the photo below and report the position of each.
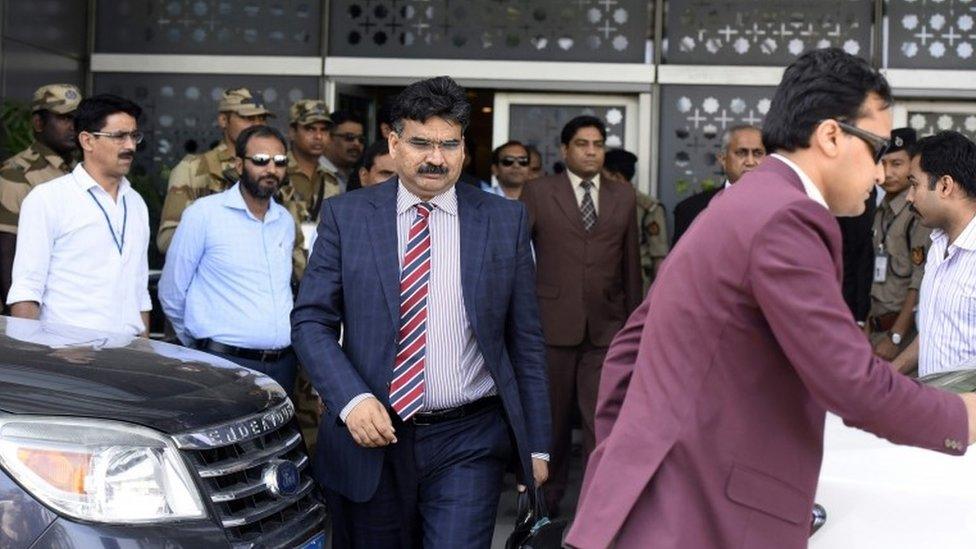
(407, 389)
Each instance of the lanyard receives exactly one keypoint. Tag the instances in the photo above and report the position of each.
(119, 243)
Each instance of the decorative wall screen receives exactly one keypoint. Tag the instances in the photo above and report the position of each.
(693, 119)
(928, 123)
(180, 111)
(226, 27)
(551, 30)
(931, 34)
(541, 125)
(760, 32)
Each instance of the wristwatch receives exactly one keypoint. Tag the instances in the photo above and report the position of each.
(896, 338)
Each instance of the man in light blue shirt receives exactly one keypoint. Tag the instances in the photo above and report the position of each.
(226, 284)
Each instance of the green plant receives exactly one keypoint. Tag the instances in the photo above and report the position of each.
(15, 127)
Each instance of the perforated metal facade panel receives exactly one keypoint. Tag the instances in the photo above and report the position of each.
(760, 32)
(228, 27)
(564, 30)
(540, 126)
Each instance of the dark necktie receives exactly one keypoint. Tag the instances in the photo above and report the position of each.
(587, 208)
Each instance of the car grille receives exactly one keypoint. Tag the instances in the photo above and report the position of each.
(230, 461)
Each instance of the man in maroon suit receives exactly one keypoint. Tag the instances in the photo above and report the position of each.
(589, 281)
(712, 399)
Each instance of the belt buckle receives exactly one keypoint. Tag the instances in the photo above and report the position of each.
(417, 420)
(267, 354)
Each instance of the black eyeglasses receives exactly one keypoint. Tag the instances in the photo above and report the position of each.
(879, 145)
(508, 161)
(261, 159)
(350, 137)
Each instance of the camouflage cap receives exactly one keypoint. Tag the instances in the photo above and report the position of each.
(240, 101)
(307, 111)
(57, 98)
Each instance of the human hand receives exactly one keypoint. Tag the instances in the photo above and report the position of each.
(886, 349)
(370, 424)
(540, 472)
(969, 399)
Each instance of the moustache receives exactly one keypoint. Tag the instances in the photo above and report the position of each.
(272, 178)
(430, 169)
(127, 155)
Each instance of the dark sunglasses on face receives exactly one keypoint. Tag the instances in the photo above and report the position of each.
(350, 137)
(280, 160)
(879, 145)
(508, 161)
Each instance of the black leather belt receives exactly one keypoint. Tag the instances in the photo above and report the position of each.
(261, 355)
(448, 414)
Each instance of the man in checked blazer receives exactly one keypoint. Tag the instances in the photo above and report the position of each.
(587, 247)
(440, 377)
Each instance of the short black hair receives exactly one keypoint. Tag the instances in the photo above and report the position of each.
(441, 97)
(378, 148)
(948, 153)
(820, 85)
(341, 117)
(496, 155)
(240, 146)
(622, 162)
(580, 122)
(92, 112)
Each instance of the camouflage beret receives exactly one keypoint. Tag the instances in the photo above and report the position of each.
(57, 98)
(308, 111)
(241, 102)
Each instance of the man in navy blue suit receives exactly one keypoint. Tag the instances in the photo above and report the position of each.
(440, 376)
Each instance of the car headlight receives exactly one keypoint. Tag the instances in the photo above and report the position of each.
(103, 471)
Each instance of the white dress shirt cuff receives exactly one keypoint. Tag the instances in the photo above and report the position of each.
(20, 292)
(352, 404)
(539, 455)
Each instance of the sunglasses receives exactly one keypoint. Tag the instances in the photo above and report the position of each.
(351, 137)
(509, 161)
(280, 160)
(879, 145)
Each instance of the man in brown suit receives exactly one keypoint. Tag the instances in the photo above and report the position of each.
(588, 279)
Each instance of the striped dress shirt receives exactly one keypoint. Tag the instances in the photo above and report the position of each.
(455, 372)
(947, 304)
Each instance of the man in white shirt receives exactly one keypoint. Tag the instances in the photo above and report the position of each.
(943, 195)
(83, 239)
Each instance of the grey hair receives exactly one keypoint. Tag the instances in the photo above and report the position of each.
(727, 134)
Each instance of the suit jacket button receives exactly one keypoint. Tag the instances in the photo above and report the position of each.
(948, 443)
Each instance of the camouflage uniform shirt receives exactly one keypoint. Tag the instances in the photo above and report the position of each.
(20, 174)
(653, 237)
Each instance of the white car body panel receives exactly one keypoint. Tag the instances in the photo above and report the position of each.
(878, 494)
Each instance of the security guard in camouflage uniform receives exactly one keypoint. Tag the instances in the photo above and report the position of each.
(310, 182)
(212, 172)
(901, 244)
(309, 185)
(50, 156)
(622, 165)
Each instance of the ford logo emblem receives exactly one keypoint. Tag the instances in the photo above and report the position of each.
(282, 478)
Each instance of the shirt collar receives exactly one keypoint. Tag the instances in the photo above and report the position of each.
(812, 191)
(897, 203)
(85, 181)
(446, 201)
(967, 239)
(328, 165)
(234, 199)
(48, 154)
(575, 180)
(727, 184)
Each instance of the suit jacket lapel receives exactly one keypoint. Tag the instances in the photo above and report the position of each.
(565, 198)
(474, 238)
(383, 230)
(608, 204)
